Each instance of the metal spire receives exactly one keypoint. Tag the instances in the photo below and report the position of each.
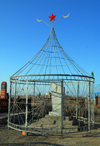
(52, 17)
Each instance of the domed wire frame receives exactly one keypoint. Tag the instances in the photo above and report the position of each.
(49, 90)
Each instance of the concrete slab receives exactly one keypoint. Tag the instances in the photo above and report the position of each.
(3, 115)
(64, 122)
(46, 121)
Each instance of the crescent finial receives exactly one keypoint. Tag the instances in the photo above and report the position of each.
(67, 15)
(39, 20)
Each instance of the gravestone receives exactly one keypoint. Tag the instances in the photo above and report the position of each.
(56, 99)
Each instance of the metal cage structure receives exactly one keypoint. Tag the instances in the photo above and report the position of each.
(51, 94)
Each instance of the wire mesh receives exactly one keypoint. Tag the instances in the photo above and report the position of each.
(49, 94)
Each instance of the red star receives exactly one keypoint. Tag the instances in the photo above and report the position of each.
(52, 17)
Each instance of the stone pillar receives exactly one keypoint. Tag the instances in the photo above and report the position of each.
(56, 99)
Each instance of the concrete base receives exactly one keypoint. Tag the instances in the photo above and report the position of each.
(54, 113)
(55, 122)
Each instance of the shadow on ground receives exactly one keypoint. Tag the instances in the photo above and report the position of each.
(31, 144)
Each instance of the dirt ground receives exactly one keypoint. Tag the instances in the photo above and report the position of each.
(13, 138)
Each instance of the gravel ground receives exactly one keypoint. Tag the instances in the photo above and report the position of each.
(13, 137)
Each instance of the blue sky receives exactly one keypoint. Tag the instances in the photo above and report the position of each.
(21, 36)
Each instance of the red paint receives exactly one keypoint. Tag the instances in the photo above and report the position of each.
(52, 17)
(14, 102)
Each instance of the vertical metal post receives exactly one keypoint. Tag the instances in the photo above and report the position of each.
(89, 108)
(61, 108)
(26, 104)
(33, 102)
(14, 101)
(77, 100)
(93, 103)
(52, 24)
(9, 104)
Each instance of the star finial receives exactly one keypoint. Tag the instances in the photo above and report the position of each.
(52, 17)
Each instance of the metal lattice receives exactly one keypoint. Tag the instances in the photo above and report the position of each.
(51, 93)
